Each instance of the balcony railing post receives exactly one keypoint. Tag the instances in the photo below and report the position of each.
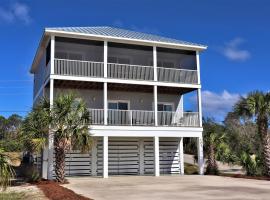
(155, 105)
(105, 103)
(199, 101)
(198, 67)
(130, 113)
(105, 54)
(52, 53)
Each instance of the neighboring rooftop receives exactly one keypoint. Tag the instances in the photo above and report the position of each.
(121, 33)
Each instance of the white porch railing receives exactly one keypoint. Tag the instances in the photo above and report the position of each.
(144, 118)
(127, 71)
(78, 68)
(169, 118)
(96, 116)
(124, 71)
(174, 75)
(131, 117)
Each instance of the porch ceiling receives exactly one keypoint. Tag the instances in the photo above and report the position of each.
(119, 87)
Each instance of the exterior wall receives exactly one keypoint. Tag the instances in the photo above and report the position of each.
(138, 100)
(132, 156)
(41, 74)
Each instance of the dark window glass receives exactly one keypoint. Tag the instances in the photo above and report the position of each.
(48, 53)
(122, 106)
(112, 106)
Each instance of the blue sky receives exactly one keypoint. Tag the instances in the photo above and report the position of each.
(236, 32)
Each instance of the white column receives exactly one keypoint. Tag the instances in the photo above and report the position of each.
(105, 59)
(155, 62)
(181, 156)
(51, 138)
(200, 155)
(198, 67)
(45, 162)
(105, 156)
(141, 155)
(52, 53)
(199, 101)
(155, 105)
(105, 102)
(156, 153)
(94, 157)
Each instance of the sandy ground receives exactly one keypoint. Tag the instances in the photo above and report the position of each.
(192, 187)
(30, 192)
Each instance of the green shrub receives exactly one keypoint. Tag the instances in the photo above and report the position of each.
(251, 163)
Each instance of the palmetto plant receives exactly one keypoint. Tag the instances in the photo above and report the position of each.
(6, 170)
(256, 106)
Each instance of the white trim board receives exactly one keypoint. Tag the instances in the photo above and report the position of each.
(123, 81)
(141, 131)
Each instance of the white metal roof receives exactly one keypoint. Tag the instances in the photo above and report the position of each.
(122, 33)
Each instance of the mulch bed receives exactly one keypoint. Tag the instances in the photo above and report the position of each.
(55, 191)
(247, 177)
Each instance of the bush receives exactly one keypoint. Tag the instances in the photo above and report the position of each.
(30, 173)
(251, 163)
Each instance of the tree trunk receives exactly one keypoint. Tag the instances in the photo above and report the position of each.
(60, 155)
(262, 123)
(212, 167)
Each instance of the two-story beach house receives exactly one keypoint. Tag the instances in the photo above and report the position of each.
(135, 86)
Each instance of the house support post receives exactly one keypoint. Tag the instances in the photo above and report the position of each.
(181, 155)
(156, 155)
(200, 155)
(94, 157)
(51, 138)
(105, 156)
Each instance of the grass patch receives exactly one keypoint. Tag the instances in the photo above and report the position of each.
(12, 195)
(190, 169)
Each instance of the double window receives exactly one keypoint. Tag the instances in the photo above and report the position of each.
(120, 60)
(165, 106)
(69, 55)
(118, 105)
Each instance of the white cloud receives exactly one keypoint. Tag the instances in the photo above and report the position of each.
(16, 12)
(218, 105)
(232, 51)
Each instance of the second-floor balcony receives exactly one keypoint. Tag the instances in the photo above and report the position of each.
(124, 71)
(144, 118)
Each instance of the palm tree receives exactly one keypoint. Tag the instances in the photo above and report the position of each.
(67, 119)
(215, 145)
(69, 123)
(256, 106)
(35, 127)
(6, 170)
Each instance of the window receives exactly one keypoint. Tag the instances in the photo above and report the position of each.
(163, 63)
(120, 60)
(48, 53)
(165, 106)
(118, 105)
(69, 55)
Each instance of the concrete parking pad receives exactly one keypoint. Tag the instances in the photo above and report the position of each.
(169, 188)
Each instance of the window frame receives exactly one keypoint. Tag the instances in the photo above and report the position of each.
(117, 101)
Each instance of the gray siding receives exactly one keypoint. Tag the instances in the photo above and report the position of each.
(138, 100)
(41, 74)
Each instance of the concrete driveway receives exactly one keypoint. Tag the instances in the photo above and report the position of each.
(170, 187)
